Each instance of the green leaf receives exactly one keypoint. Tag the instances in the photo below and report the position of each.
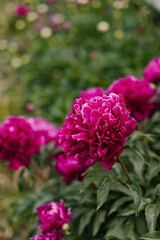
(117, 233)
(151, 213)
(119, 187)
(85, 220)
(139, 152)
(21, 181)
(92, 177)
(136, 194)
(98, 220)
(151, 236)
(139, 135)
(116, 205)
(119, 170)
(127, 211)
(103, 191)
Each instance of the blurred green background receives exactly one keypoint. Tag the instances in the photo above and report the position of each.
(58, 49)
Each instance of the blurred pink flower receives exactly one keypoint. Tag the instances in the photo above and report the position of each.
(96, 129)
(91, 92)
(45, 131)
(137, 95)
(18, 142)
(67, 25)
(22, 10)
(51, 235)
(53, 215)
(94, 54)
(70, 168)
(152, 71)
(30, 107)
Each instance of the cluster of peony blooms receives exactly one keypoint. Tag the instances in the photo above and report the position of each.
(100, 121)
(96, 129)
(22, 137)
(52, 217)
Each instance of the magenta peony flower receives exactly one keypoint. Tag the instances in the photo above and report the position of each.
(70, 168)
(18, 142)
(96, 129)
(91, 92)
(45, 131)
(152, 71)
(22, 10)
(53, 215)
(51, 235)
(137, 95)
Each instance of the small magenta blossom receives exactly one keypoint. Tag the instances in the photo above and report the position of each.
(30, 107)
(51, 235)
(70, 168)
(137, 95)
(96, 129)
(53, 215)
(45, 131)
(91, 92)
(152, 71)
(18, 142)
(22, 10)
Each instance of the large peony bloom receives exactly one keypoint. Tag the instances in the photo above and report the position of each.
(22, 10)
(51, 235)
(18, 142)
(152, 71)
(53, 215)
(45, 131)
(96, 129)
(137, 95)
(70, 168)
(91, 92)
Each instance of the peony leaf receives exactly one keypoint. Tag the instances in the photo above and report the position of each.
(116, 233)
(98, 220)
(151, 236)
(139, 152)
(85, 220)
(115, 206)
(21, 181)
(92, 177)
(103, 191)
(139, 135)
(136, 194)
(127, 211)
(151, 213)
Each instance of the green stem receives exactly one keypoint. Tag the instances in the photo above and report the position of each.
(42, 177)
(124, 168)
(65, 236)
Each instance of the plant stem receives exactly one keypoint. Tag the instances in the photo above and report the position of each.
(65, 236)
(42, 177)
(124, 168)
